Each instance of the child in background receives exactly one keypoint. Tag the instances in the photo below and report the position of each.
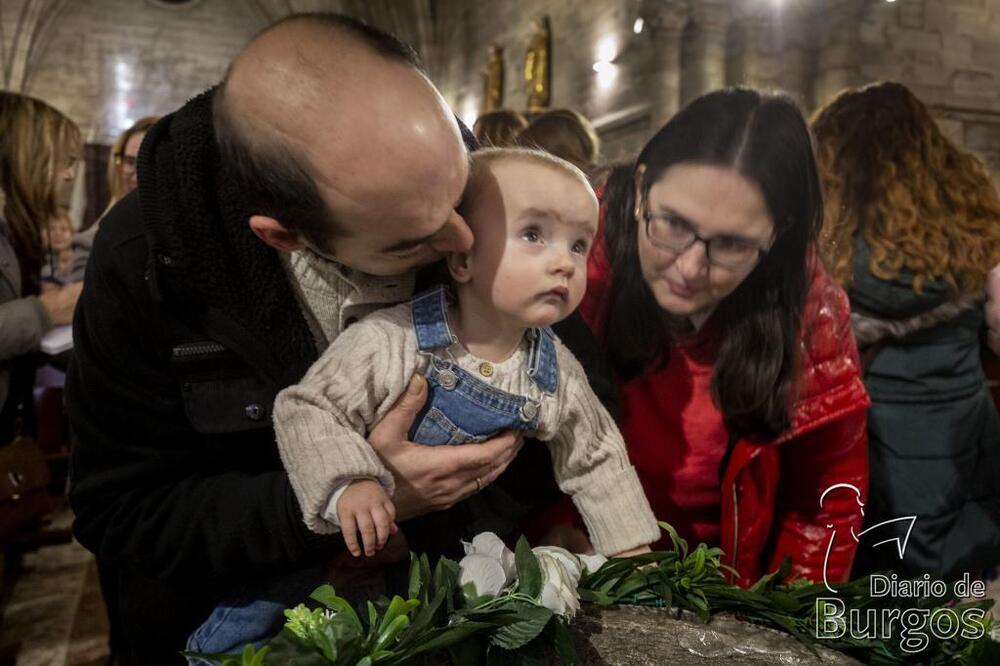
(490, 359)
(57, 242)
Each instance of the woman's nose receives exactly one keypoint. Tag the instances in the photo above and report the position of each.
(693, 262)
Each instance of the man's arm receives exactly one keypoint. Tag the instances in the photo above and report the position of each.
(148, 491)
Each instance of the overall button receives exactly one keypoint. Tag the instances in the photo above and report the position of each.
(448, 379)
(529, 411)
(254, 411)
(486, 369)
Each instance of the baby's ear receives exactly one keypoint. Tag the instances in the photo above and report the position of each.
(460, 267)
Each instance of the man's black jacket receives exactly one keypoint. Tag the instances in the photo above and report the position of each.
(186, 330)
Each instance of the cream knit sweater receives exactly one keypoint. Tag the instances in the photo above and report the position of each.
(322, 423)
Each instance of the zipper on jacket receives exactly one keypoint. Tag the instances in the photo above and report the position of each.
(190, 349)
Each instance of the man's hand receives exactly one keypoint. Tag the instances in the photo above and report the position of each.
(364, 507)
(432, 478)
(993, 309)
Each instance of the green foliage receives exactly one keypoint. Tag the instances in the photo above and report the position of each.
(439, 620)
(529, 573)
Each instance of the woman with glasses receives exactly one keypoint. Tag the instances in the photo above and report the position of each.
(741, 397)
(122, 179)
(121, 169)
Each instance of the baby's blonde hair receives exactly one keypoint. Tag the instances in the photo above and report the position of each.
(482, 160)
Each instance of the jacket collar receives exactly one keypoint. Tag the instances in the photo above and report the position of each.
(207, 266)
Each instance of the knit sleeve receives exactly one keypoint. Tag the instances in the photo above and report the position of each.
(322, 422)
(592, 466)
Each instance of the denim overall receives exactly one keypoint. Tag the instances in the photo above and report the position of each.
(460, 407)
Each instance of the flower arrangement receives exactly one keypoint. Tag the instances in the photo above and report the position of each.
(502, 607)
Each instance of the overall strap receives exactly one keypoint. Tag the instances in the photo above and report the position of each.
(430, 321)
(543, 365)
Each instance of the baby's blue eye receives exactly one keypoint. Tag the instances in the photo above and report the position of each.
(580, 247)
(531, 235)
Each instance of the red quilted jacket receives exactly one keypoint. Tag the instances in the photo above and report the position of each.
(770, 495)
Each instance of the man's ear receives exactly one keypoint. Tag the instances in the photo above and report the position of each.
(460, 266)
(275, 235)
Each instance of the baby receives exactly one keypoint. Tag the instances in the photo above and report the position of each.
(491, 363)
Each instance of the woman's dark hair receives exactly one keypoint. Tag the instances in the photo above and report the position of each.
(765, 139)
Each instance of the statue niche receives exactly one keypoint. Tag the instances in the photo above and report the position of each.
(537, 65)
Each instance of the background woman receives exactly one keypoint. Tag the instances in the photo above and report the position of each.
(122, 179)
(38, 153)
(912, 228)
(566, 134)
(741, 394)
(499, 128)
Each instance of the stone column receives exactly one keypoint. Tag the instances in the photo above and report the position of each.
(798, 64)
(838, 27)
(26, 25)
(761, 58)
(664, 21)
(703, 52)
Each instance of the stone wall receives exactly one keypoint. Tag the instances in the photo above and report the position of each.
(947, 51)
(108, 61)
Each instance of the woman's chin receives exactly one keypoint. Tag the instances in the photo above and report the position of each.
(677, 305)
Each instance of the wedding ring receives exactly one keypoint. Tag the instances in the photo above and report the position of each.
(479, 484)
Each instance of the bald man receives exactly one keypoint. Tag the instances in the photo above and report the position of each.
(272, 212)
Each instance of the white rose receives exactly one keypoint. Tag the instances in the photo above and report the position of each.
(489, 544)
(485, 573)
(488, 564)
(560, 578)
(592, 563)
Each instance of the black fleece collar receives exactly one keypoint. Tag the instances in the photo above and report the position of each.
(207, 265)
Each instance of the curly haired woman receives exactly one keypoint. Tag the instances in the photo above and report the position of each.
(912, 228)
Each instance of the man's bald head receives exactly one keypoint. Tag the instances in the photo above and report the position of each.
(333, 131)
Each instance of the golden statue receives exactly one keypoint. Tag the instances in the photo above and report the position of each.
(493, 80)
(537, 64)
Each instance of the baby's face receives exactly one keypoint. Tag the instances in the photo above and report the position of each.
(533, 226)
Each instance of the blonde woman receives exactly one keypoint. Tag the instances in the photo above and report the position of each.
(121, 166)
(912, 228)
(38, 153)
(122, 179)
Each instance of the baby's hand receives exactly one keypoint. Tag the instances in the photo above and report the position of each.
(365, 507)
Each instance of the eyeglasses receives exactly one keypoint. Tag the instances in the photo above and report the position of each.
(670, 233)
(126, 162)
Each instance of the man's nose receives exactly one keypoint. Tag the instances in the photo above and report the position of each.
(455, 236)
